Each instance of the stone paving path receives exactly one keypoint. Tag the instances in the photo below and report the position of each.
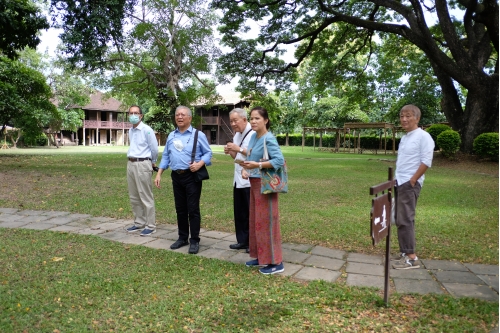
(302, 261)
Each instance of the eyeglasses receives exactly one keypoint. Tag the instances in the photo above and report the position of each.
(180, 115)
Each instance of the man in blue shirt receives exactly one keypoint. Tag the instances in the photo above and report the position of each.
(142, 155)
(187, 189)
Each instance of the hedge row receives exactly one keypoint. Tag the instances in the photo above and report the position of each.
(329, 141)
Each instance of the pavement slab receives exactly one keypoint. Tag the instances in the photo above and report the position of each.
(326, 252)
(291, 269)
(297, 247)
(63, 219)
(490, 280)
(239, 258)
(444, 265)
(367, 269)
(312, 273)
(31, 212)
(471, 290)
(215, 234)
(34, 218)
(91, 231)
(159, 244)
(407, 286)
(38, 226)
(365, 258)
(411, 274)
(217, 254)
(363, 280)
(137, 240)
(324, 262)
(294, 256)
(113, 235)
(167, 226)
(457, 277)
(167, 234)
(8, 210)
(65, 228)
(12, 224)
(53, 213)
(10, 217)
(221, 244)
(482, 269)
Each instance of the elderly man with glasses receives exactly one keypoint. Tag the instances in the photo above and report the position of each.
(187, 189)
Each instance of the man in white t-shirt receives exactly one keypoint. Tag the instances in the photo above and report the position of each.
(415, 153)
(238, 150)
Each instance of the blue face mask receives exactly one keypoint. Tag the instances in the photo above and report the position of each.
(134, 119)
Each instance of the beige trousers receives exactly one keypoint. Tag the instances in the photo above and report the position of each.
(140, 191)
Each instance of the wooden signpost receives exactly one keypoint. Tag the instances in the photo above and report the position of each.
(380, 223)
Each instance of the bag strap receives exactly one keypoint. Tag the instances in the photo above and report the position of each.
(265, 155)
(194, 145)
(245, 136)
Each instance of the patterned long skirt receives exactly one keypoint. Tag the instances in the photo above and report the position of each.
(265, 233)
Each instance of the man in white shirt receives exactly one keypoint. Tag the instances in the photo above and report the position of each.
(241, 187)
(142, 155)
(415, 153)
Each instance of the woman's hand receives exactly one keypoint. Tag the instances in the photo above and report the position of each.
(244, 174)
(250, 164)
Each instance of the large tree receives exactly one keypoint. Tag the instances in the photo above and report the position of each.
(463, 52)
(154, 49)
(20, 21)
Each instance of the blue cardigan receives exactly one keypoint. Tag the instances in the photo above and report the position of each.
(256, 147)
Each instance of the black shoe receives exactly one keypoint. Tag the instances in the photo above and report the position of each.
(179, 243)
(194, 248)
(238, 246)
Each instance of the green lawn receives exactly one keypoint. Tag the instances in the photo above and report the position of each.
(58, 282)
(328, 203)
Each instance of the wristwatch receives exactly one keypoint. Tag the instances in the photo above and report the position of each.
(241, 150)
(260, 165)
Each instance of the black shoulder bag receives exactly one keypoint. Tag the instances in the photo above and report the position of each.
(202, 173)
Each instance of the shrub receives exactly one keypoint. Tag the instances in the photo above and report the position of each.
(486, 145)
(449, 142)
(435, 130)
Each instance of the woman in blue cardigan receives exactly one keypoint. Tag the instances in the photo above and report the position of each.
(265, 233)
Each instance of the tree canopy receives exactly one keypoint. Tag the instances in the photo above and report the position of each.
(156, 50)
(462, 52)
(20, 22)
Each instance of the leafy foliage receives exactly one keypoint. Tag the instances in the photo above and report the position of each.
(449, 142)
(462, 53)
(162, 54)
(24, 98)
(486, 145)
(436, 129)
(20, 21)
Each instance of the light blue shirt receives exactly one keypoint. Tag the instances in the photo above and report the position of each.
(416, 147)
(143, 143)
(177, 152)
(256, 146)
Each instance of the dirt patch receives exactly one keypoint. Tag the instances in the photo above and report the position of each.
(466, 162)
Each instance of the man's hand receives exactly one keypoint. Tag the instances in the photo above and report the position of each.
(195, 166)
(158, 180)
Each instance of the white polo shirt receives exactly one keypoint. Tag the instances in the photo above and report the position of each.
(238, 180)
(416, 147)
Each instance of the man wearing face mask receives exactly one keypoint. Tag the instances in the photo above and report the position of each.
(142, 156)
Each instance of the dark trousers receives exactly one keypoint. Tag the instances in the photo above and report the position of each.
(406, 204)
(241, 207)
(187, 193)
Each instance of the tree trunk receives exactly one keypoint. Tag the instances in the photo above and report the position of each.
(286, 139)
(481, 111)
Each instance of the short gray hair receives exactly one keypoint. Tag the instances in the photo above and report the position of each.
(182, 107)
(414, 109)
(242, 113)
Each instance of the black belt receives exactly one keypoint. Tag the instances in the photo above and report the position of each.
(133, 159)
(180, 172)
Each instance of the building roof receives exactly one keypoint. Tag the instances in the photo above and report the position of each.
(228, 98)
(99, 102)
